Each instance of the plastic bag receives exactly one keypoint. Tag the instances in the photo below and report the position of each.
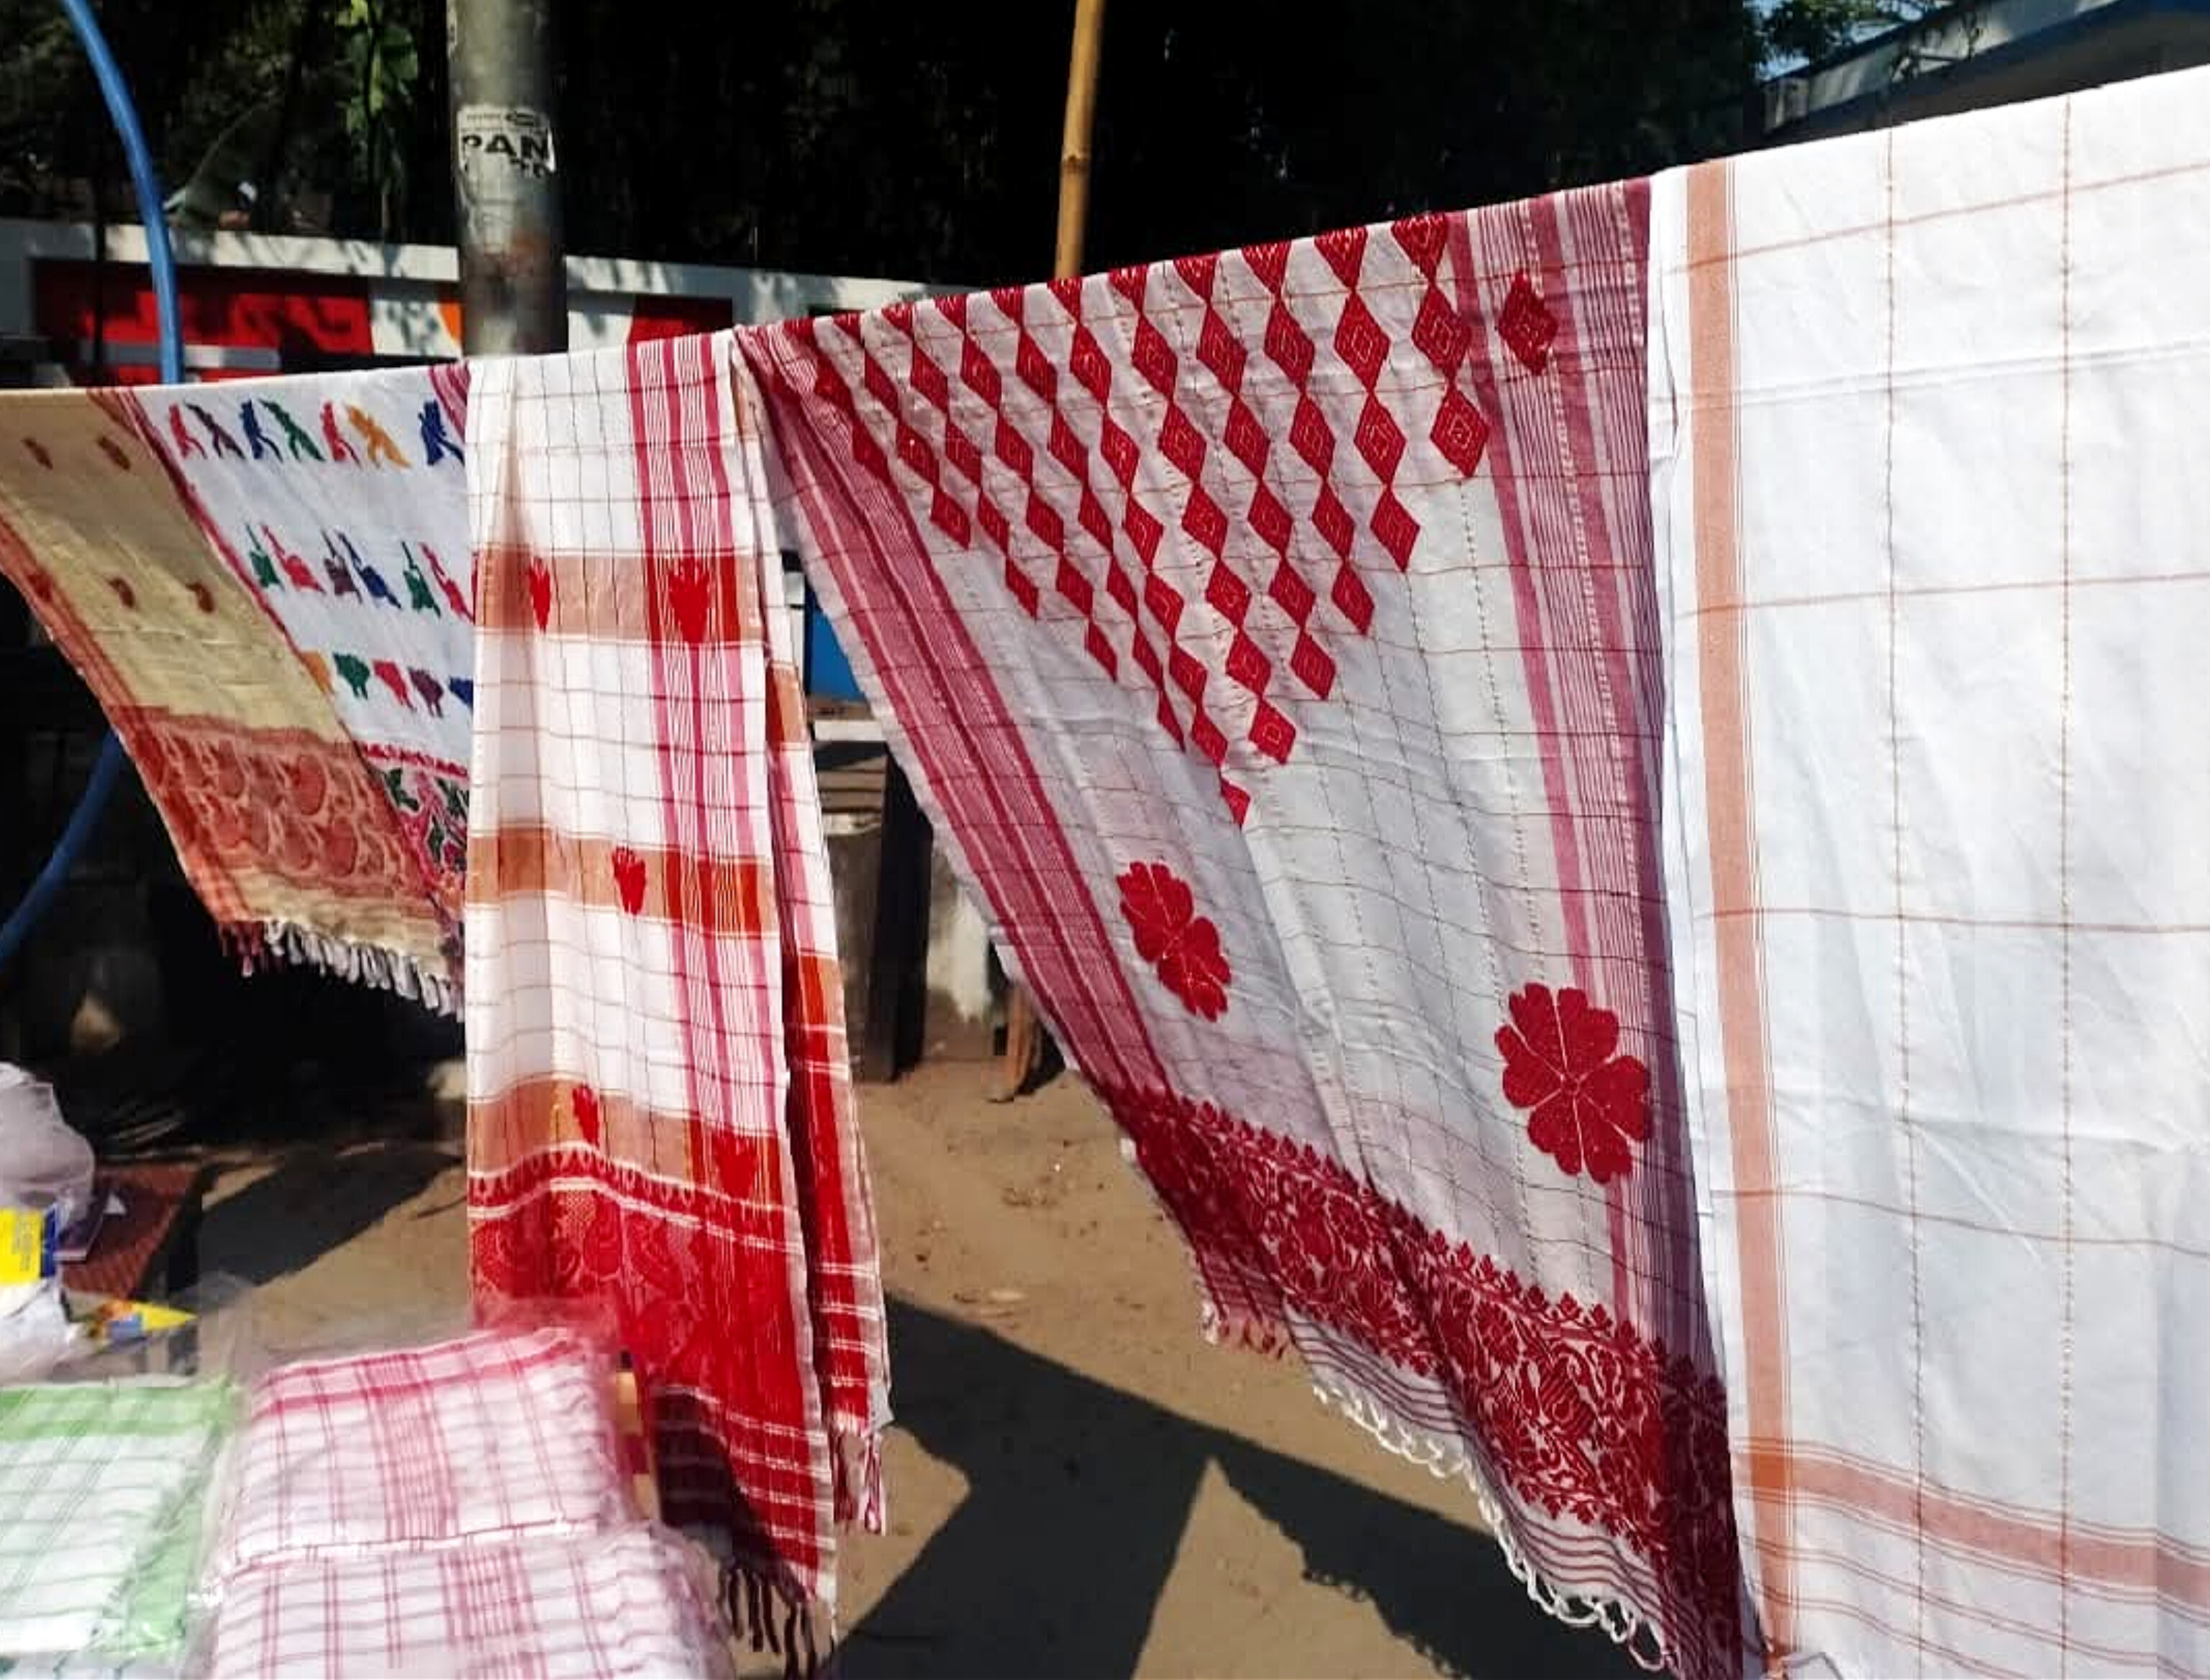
(35, 1333)
(43, 1162)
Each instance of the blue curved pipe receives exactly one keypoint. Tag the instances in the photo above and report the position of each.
(159, 256)
(108, 770)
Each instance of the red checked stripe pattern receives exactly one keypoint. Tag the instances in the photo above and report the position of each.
(660, 1111)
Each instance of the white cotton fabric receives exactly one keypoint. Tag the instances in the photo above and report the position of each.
(1933, 503)
(486, 1437)
(594, 1608)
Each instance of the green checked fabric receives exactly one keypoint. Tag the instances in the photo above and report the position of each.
(101, 1486)
(91, 1665)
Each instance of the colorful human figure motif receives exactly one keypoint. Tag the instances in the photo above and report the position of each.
(418, 587)
(187, 446)
(256, 439)
(340, 575)
(223, 442)
(295, 435)
(265, 569)
(388, 674)
(381, 449)
(437, 445)
(377, 588)
(432, 691)
(342, 452)
(294, 567)
(356, 673)
(454, 598)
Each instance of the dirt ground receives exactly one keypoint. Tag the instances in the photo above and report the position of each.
(1078, 1485)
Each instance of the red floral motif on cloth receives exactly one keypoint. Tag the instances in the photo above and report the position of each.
(1577, 1413)
(284, 804)
(1273, 637)
(1171, 936)
(1586, 1104)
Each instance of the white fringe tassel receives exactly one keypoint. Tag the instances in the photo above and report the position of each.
(364, 964)
(1448, 1458)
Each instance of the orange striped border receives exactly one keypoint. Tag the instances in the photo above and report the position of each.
(516, 1140)
(1721, 628)
(2135, 1561)
(642, 602)
(735, 898)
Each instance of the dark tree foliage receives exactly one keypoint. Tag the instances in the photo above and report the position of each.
(858, 136)
(1799, 31)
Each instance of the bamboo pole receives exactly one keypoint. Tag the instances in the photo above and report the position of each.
(1074, 145)
(1023, 1036)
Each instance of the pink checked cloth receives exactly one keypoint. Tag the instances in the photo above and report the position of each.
(491, 1437)
(1272, 639)
(588, 1608)
(659, 1111)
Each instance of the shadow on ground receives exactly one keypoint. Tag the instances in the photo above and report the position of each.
(1078, 1495)
(252, 1064)
(315, 1201)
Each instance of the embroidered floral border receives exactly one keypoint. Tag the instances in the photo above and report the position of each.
(1578, 1414)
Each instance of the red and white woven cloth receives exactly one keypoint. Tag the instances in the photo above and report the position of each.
(1272, 639)
(591, 1608)
(1931, 472)
(495, 1435)
(659, 1109)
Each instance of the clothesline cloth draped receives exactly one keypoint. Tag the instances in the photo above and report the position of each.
(277, 822)
(1271, 639)
(659, 1104)
(341, 502)
(1693, 1021)
(1931, 485)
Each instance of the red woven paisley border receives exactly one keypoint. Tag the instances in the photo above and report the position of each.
(1578, 1415)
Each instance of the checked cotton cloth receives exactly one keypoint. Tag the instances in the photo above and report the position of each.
(491, 1437)
(1272, 639)
(100, 1483)
(589, 1608)
(341, 502)
(93, 1666)
(660, 1111)
(1931, 478)
(277, 821)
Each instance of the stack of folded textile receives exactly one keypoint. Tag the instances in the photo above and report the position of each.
(457, 1509)
(103, 1485)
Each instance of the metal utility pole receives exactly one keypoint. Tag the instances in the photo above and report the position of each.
(506, 182)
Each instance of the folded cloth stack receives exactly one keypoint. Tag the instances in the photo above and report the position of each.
(96, 1665)
(460, 1508)
(493, 1435)
(626, 1603)
(104, 1486)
